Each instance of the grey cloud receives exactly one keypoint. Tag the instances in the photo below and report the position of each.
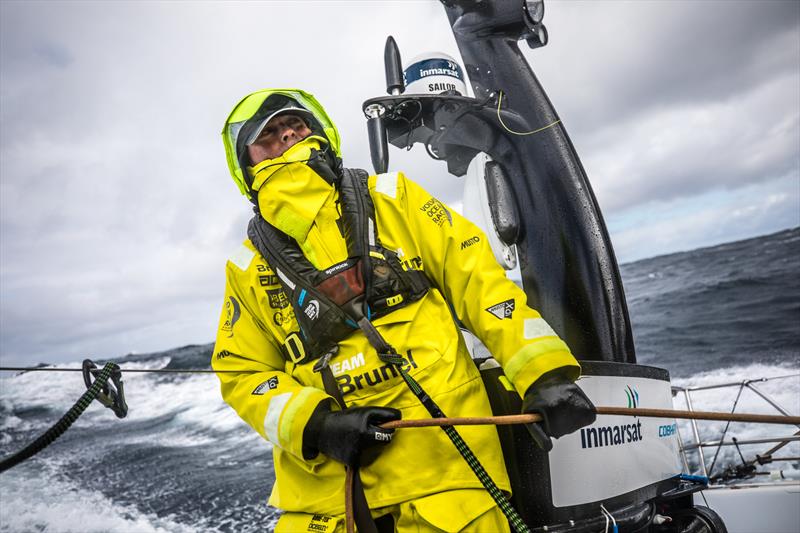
(645, 55)
(54, 54)
(687, 151)
(116, 208)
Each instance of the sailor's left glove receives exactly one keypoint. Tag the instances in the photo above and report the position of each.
(353, 436)
(564, 407)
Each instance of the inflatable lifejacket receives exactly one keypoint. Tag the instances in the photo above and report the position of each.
(328, 303)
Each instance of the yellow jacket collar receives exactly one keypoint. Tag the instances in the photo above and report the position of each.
(290, 193)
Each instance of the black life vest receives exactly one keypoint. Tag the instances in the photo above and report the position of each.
(328, 303)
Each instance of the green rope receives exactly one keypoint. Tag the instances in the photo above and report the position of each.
(63, 424)
(497, 495)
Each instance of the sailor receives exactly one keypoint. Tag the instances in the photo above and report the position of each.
(346, 284)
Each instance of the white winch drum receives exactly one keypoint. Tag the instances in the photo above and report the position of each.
(434, 73)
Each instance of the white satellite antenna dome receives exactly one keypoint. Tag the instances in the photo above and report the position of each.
(434, 73)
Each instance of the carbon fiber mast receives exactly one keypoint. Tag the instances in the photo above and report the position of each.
(511, 139)
(568, 267)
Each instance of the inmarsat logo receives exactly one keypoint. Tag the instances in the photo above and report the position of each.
(503, 309)
(312, 309)
(602, 436)
(633, 397)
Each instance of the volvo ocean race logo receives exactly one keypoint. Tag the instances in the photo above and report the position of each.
(232, 314)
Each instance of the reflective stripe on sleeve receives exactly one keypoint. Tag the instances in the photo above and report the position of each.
(242, 257)
(387, 184)
(273, 416)
(533, 354)
(537, 358)
(297, 405)
(537, 327)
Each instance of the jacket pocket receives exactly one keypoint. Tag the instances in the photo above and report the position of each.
(453, 510)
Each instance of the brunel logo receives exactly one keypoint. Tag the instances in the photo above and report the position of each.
(349, 384)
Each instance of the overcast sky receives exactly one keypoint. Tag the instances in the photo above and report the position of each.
(117, 211)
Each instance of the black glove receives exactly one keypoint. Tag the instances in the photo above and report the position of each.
(351, 436)
(563, 405)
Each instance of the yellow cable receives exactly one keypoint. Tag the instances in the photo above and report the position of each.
(509, 130)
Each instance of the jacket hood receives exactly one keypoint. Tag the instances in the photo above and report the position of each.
(250, 113)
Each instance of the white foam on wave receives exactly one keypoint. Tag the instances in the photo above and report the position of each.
(42, 503)
(199, 415)
(57, 390)
(785, 391)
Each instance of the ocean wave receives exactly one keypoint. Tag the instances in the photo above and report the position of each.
(44, 503)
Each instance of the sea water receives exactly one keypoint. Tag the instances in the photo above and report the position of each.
(182, 460)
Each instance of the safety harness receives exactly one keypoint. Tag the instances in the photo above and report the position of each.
(331, 304)
(328, 303)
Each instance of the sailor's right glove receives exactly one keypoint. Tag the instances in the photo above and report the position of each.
(564, 407)
(352, 436)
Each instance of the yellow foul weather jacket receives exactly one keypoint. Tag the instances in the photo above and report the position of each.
(276, 397)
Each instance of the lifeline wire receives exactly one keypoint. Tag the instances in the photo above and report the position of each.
(196, 371)
(63, 424)
(509, 130)
(153, 370)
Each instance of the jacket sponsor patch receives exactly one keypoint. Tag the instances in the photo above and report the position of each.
(277, 298)
(322, 523)
(503, 309)
(337, 267)
(312, 309)
(469, 242)
(224, 353)
(268, 280)
(270, 384)
(232, 314)
(347, 365)
(348, 383)
(437, 212)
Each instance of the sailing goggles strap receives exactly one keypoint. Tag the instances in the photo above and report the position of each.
(388, 354)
